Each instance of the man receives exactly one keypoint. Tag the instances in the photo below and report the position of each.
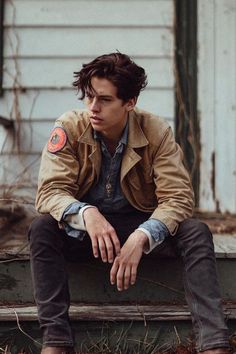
(112, 177)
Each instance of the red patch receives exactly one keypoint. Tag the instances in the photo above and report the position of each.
(57, 140)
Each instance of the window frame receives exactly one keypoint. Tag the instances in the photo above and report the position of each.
(187, 120)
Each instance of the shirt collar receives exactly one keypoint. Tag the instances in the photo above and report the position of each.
(123, 139)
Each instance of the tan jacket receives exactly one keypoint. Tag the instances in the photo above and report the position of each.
(153, 178)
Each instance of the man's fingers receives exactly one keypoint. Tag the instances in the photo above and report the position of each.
(115, 242)
(109, 249)
(113, 271)
(120, 277)
(95, 246)
(106, 244)
(133, 275)
(127, 277)
(102, 249)
(122, 274)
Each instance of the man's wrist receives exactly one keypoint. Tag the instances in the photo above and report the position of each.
(142, 239)
(85, 210)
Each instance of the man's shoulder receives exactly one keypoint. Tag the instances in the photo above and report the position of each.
(153, 126)
(74, 121)
(150, 119)
(74, 116)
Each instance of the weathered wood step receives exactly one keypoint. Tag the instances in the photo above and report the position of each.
(84, 312)
(89, 282)
(225, 247)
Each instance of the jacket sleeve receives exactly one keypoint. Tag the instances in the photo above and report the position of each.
(173, 187)
(57, 182)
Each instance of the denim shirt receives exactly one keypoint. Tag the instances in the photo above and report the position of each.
(107, 195)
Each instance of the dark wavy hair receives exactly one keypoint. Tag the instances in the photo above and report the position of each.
(126, 76)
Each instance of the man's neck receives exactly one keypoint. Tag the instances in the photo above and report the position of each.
(111, 144)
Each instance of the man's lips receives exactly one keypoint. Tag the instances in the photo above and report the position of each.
(95, 119)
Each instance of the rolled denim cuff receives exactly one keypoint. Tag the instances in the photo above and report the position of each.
(152, 243)
(156, 232)
(73, 221)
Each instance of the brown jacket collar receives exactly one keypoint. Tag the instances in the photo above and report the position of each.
(136, 136)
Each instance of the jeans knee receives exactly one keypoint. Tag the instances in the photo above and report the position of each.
(201, 227)
(196, 233)
(197, 226)
(38, 226)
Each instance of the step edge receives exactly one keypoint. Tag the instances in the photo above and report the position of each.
(112, 312)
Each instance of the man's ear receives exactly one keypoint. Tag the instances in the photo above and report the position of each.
(130, 104)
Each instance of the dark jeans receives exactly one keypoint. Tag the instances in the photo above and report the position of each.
(50, 246)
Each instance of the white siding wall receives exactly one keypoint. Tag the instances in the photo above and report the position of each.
(217, 103)
(46, 40)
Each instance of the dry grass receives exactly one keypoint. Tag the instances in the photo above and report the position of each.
(17, 341)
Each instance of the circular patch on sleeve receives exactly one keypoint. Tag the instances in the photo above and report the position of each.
(57, 140)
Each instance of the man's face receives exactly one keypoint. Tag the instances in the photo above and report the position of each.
(108, 113)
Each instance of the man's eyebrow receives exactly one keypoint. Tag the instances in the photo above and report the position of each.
(105, 96)
(89, 93)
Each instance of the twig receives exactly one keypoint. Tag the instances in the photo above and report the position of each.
(177, 335)
(20, 328)
(10, 260)
(6, 350)
(162, 285)
(143, 315)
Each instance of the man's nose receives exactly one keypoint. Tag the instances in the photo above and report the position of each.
(94, 105)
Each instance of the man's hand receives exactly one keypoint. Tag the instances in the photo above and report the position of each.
(124, 269)
(103, 235)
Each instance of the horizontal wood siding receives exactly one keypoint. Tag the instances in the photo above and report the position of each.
(53, 73)
(90, 13)
(46, 41)
(36, 105)
(54, 42)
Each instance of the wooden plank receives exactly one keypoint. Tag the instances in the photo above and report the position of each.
(89, 13)
(225, 246)
(58, 73)
(206, 107)
(47, 104)
(225, 104)
(83, 312)
(39, 42)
